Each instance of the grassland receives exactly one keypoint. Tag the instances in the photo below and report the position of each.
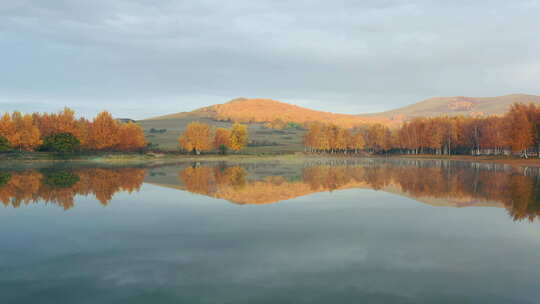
(269, 141)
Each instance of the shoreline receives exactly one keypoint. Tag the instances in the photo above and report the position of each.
(41, 159)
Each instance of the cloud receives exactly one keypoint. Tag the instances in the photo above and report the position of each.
(343, 56)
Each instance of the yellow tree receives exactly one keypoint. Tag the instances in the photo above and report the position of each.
(7, 127)
(358, 142)
(222, 139)
(313, 135)
(130, 137)
(342, 139)
(67, 123)
(239, 136)
(103, 133)
(196, 138)
(521, 129)
(26, 134)
(378, 137)
(83, 131)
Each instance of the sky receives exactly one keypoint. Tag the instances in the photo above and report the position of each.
(142, 58)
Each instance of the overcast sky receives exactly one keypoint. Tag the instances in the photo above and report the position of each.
(140, 58)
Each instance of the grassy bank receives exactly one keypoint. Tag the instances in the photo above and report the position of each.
(43, 159)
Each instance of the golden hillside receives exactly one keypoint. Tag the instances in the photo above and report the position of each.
(267, 110)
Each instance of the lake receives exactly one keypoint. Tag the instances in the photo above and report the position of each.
(327, 231)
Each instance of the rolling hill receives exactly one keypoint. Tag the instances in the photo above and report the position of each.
(258, 111)
(453, 106)
(267, 110)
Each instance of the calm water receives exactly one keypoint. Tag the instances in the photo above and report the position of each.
(327, 232)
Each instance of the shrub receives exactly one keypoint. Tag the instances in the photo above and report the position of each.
(154, 130)
(61, 143)
(223, 149)
(4, 144)
(294, 126)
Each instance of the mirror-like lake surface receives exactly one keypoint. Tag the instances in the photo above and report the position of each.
(371, 231)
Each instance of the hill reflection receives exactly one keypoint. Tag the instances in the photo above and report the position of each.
(447, 185)
(435, 183)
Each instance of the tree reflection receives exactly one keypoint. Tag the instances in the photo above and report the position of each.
(437, 183)
(441, 184)
(60, 187)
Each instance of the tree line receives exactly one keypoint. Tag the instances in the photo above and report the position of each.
(200, 137)
(63, 132)
(518, 131)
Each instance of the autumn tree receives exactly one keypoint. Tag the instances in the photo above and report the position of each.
(378, 137)
(358, 142)
(83, 127)
(534, 118)
(56, 123)
(7, 127)
(103, 133)
(196, 138)
(239, 136)
(26, 135)
(316, 137)
(521, 129)
(130, 137)
(222, 140)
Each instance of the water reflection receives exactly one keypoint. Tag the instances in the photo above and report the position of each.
(432, 182)
(60, 187)
(435, 183)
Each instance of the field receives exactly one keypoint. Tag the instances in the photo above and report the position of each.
(261, 140)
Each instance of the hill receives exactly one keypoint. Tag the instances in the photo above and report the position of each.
(165, 130)
(255, 112)
(453, 106)
(266, 110)
(259, 110)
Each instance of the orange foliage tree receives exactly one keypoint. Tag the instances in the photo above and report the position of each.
(521, 129)
(196, 138)
(518, 131)
(239, 136)
(61, 122)
(27, 132)
(130, 137)
(222, 139)
(103, 134)
(333, 139)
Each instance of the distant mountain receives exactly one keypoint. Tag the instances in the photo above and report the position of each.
(453, 106)
(267, 110)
